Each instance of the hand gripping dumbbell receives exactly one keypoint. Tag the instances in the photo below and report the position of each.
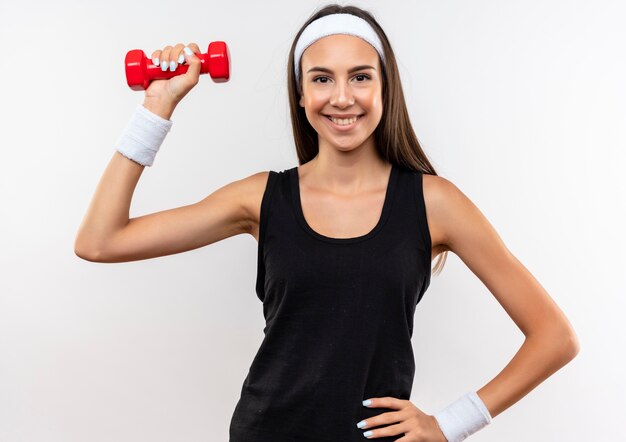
(140, 70)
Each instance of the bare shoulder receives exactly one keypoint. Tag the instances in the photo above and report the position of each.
(456, 223)
(251, 191)
(439, 192)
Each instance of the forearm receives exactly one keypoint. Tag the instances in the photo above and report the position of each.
(110, 205)
(109, 209)
(541, 355)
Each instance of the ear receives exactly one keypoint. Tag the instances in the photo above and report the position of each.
(301, 100)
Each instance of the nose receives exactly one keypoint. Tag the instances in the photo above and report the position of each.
(341, 95)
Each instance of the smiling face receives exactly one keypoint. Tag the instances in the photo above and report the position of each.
(341, 78)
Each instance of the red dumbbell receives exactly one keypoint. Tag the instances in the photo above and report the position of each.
(140, 70)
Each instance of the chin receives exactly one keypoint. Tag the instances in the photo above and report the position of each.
(346, 144)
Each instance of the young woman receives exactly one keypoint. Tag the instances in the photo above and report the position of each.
(345, 245)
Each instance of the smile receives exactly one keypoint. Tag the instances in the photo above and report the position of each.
(343, 123)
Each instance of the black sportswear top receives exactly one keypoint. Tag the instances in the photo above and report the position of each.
(339, 316)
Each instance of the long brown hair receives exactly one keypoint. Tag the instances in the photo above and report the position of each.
(394, 136)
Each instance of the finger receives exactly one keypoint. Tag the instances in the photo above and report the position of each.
(176, 56)
(165, 58)
(391, 430)
(194, 63)
(156, 55)
(385, 402)
(390, 417)
(195, 48)
(406, 438)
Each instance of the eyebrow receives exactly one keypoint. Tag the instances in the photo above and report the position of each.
(354, 69)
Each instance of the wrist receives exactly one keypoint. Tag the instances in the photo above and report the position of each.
(441, 436)
(462, 418)
(163, 109)
(143, 136)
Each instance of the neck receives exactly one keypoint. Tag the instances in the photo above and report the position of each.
(360, 169)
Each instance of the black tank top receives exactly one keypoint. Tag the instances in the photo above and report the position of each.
(339, 316)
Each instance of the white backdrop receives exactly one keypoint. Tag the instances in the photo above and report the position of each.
(521, 104)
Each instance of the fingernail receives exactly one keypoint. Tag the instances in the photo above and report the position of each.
(360, 424)
(164, 65)
(368, 433)
(367, 402)
(181, 58)
(172, 65)
(155, 61)
(188, 51)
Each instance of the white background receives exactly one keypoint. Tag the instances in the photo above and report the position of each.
(521, 104)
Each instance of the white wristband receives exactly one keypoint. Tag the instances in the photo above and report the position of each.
(464, 417)
(143, 136)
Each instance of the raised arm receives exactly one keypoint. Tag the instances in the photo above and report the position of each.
(106, 233)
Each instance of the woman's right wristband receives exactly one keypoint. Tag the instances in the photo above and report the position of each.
(143, 136)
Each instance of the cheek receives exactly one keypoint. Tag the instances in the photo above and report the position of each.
(312, 109)
(378, 104)
(370, 98)
(374, 106)
(376, 100)
(314, 103)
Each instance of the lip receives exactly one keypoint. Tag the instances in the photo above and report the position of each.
(342, 115)
(342, 128)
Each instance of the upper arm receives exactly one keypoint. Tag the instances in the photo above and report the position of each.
(228, 211)
(467, 232)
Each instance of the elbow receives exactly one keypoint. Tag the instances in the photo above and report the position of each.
(561, 342)
(85, 251)
(568, 340)
(572, 344)
(87, 256)
(565, 344)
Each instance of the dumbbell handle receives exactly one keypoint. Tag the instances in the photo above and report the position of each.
(140, 70)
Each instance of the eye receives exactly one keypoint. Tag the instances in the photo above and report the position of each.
(318, 78)
(363, 77)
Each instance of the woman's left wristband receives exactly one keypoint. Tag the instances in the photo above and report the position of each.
(463, 417)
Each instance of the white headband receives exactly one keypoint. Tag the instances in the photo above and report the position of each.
(335, 24)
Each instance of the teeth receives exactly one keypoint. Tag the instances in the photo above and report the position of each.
(343, 121)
